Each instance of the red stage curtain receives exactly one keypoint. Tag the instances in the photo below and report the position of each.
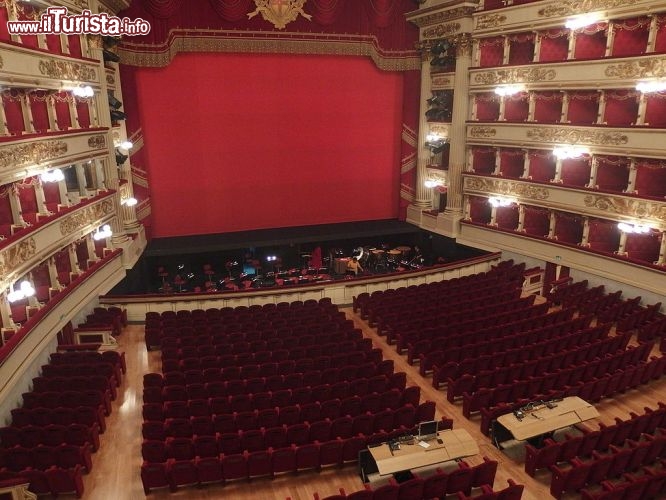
(521, 48)
(604, 235)
(507, 217)
(537, 221)
(83, 112)
(621, 108)
(630, 37)
(51, 195)
(11, 101)
(516, 107)
(308, 145)
(487, 107)
(651, 179)
(591, 41)
(612, 173)
(655, 109)
(583, 107)
(643, 247)
(547, 107)
(326, 12)
(483, 160)
(479, 209)
(40, 114)
(568, 228)
(542, 166)
(163, 9)
(63, 118)
(554, 45)
(576, 171)
(492, 51)
(382, 12)
(229, 10)
(512, 163)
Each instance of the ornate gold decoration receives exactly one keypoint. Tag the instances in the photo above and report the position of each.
(627, 206)
(482, 132)
(442, 16)
(463, 44)
(18, 254)
(32, 152)
(95, 41)
(489, 21)
(569, 7)
(441, 30)
(110, 79)
(86, 216)
(2, 63)
(574, 136)
(66, 70)
(504, 187)
(651, 67)
(97, 141)
(515, 75)
(279, 12)
(440, 81)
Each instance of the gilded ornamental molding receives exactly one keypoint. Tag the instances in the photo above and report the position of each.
(627, 206)
(2, 63)
(489, 21)
(18, 254)
(441, 17)
(505, 187)
(110, 79)
(86, 217)
(570, 7)
(66, 70)
(482, 132)
(280, 13)
(442, 81)
(574, 136)
(441, 30)
(515, 75)
(97, 141)
(652, 67)
(30, 153)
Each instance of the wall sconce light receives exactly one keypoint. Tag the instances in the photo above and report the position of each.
(129, 202)
(83, 91)
(568, 152)
(578, 22)
(436, 143)
(124, 144)
(120, 158)
(103, 232)
(504, 90)
(501, 201)
(651, 86)
(54, 175)
(25, 290)
(629, 228)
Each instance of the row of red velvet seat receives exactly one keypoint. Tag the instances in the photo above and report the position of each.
(650, 484)
(575, 358)
(82, 383)
(54, 481)
(69, 399)
(30, 435)
(562, 291)
(534, 343)
(594, 390)
(600, 440)
(116, 358)
(534, 358)
(552, 323)
(654, 329)
(397, 319)
(522, 311)
(582, 297)
(320, 395)
(108, 370)
(347, 341)
(640, 317)
(91, 417)
(569, 378)
(320, 418)
(43, 457)
(601, 303)
(601, 467)
(557, 321)
(242, 466)
(617, 311)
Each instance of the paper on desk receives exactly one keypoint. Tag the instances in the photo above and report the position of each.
(423, 444)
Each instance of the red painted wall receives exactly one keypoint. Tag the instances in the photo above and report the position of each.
(239, 142)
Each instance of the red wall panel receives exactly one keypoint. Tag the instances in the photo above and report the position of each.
(249, 141)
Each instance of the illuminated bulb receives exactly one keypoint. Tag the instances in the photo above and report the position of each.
(126, 145)
(653, 86)
(499, 201)
(55, 175)
(129, 202)
(504, 90)
(581, 21)
(27, 289)
(566, 152)
(83, 91)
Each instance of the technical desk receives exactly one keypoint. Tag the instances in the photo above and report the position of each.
(456, 443)
(542, 420)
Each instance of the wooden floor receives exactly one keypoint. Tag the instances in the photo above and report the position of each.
(115, 474)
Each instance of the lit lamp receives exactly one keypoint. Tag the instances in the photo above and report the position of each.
(103, 232)
(25, 290)
(511, 89)
(83, 91)
(567, 152)
(651, 86)
(54, 175)
(629, 228)
(129, 202)
(435, 143)
(501, 201)
(578, 22)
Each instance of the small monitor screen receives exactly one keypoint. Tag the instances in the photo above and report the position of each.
(428, 430)
(248, 268)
